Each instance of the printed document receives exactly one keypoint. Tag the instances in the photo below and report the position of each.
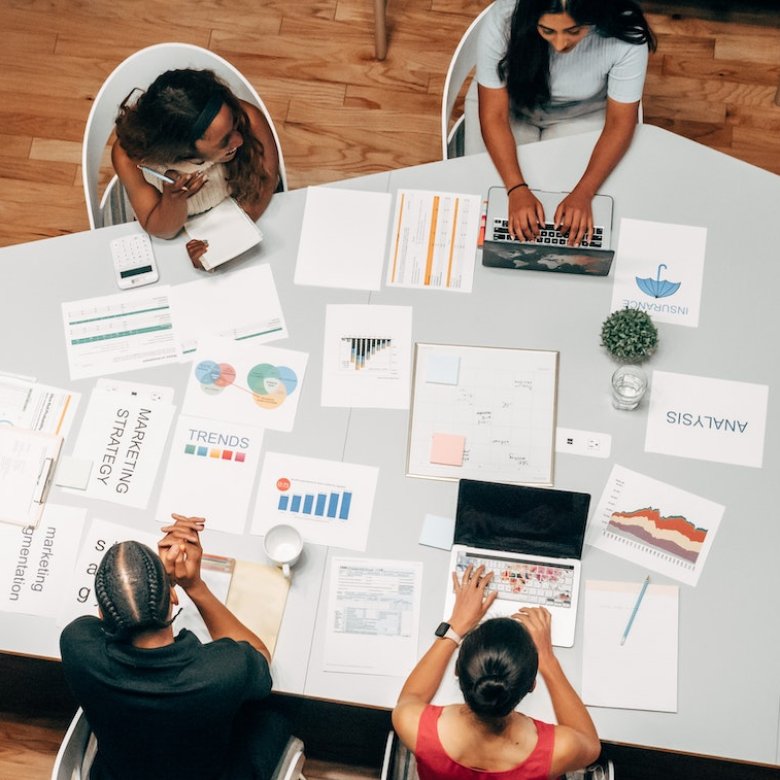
(367, 356)
(434, 242)
(343, 238)
(121, 332)
(373, 616)
(641, 673)
(36, 407)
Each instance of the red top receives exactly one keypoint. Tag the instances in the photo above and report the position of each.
(434, 764)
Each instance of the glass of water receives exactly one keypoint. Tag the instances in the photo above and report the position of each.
(629, 384)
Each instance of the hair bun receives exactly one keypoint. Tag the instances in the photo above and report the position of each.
(490, 690)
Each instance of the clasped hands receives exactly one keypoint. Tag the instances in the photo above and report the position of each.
(181, 552)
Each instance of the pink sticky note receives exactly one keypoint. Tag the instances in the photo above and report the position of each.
(447, 449)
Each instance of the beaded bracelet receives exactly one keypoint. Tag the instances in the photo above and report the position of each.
(512, 189)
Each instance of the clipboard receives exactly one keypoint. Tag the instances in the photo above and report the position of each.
(28, 460)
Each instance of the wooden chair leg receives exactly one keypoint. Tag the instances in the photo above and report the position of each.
(380, 28)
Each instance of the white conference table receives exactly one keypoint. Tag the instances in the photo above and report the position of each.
(729, 666)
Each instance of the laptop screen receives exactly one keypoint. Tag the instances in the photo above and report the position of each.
(515, 518)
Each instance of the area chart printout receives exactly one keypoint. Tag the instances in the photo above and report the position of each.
(367, 356)
(655, 525)
(121, 332)
(434, 241)
(329, 502)
(373, 616)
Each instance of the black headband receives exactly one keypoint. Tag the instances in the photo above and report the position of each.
(206, 116)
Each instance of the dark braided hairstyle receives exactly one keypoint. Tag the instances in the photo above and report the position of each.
(496, 667)
(162, 126)
(525, 67)
(132, 590)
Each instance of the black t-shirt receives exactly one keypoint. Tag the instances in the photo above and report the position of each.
(165, 712)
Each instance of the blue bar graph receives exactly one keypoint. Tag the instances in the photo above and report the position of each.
(335, 506)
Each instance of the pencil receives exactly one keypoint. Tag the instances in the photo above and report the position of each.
(635, 609)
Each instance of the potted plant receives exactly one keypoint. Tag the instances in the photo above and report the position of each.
(629, 335)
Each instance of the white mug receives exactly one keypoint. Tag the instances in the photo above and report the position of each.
(283, 545)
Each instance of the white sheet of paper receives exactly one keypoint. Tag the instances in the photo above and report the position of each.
(373, 616)
(328, 501)
(442, 369)
(654, 525)
(659, 269)
(367, 356)
(343, 237)
(245, 383)
(36, 564)
(438, 531)
(706, 418)
(124, 435)
(122, 332)
(79, 596)
(36, 407)
(211, 471)
(141, 392)
(642, 673)
(434, 242)
(240, 305)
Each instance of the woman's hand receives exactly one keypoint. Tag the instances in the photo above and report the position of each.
(574, 216)
(471, 601)
(184, 186)
(526, 214)
(538, 623)
(181, 551)
(196, 249)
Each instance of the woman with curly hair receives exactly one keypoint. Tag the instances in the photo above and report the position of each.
(189, 128)
(548, 68)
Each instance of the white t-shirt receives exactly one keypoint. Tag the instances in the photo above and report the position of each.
(580, 80)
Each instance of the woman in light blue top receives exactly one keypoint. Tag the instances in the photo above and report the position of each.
(552, 67)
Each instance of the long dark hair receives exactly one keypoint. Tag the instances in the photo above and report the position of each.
(132, 590)
(526, 65)
(162, 126)
(496, 667)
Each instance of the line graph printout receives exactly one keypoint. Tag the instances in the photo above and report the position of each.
(367, 355)
(119, 332)
(434, 241)
(329, 502)
(246, 383)
(483, 413)
(655, 525)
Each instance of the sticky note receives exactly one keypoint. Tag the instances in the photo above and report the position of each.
(73, 473)
(438, 532)
(443, 368)
(447, 449)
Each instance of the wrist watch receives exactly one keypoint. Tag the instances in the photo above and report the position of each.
(445, 631)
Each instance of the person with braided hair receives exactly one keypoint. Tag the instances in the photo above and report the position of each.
(164, 705)
(496, 667)
(188, 143)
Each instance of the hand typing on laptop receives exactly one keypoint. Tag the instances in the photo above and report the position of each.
(573, 216)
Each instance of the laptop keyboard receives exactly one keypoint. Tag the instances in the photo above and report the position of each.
(528, 581)
(547, 235)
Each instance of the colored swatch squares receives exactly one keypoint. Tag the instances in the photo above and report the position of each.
(215, 453)
(447, 449)
(326, 505)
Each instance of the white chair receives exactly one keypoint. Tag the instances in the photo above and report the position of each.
(140, 70)
(77, 751)
(79, 747)
(463, 61)
(399, 762)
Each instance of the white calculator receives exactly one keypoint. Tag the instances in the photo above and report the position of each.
(134, 261)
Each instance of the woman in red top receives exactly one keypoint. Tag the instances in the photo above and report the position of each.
(497, 665)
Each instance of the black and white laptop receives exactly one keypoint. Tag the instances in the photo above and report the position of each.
(531, 539)
(549, 250)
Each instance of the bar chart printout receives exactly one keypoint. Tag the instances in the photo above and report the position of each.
(655, 525)
(329, 502)
(357, 354)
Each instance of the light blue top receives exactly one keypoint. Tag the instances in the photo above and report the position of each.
(580, 80)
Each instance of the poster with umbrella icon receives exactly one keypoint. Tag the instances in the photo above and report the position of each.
(659, 268)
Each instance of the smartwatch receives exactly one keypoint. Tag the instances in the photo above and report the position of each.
(445, 631)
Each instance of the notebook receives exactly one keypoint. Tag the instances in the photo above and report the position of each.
(549, 251)
(531, 538)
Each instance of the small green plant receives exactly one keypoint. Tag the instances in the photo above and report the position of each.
(629, 335)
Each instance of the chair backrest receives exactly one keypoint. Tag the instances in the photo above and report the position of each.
(290, 764)
(399, 762)
(462, 63)
(140, 70)
(74, 757)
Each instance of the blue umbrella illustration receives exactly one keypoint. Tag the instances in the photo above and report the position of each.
(658, 287)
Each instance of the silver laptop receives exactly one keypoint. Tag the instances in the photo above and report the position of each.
(549, 250)
(531, 539)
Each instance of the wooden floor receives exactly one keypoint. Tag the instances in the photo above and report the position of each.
(338, 111)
